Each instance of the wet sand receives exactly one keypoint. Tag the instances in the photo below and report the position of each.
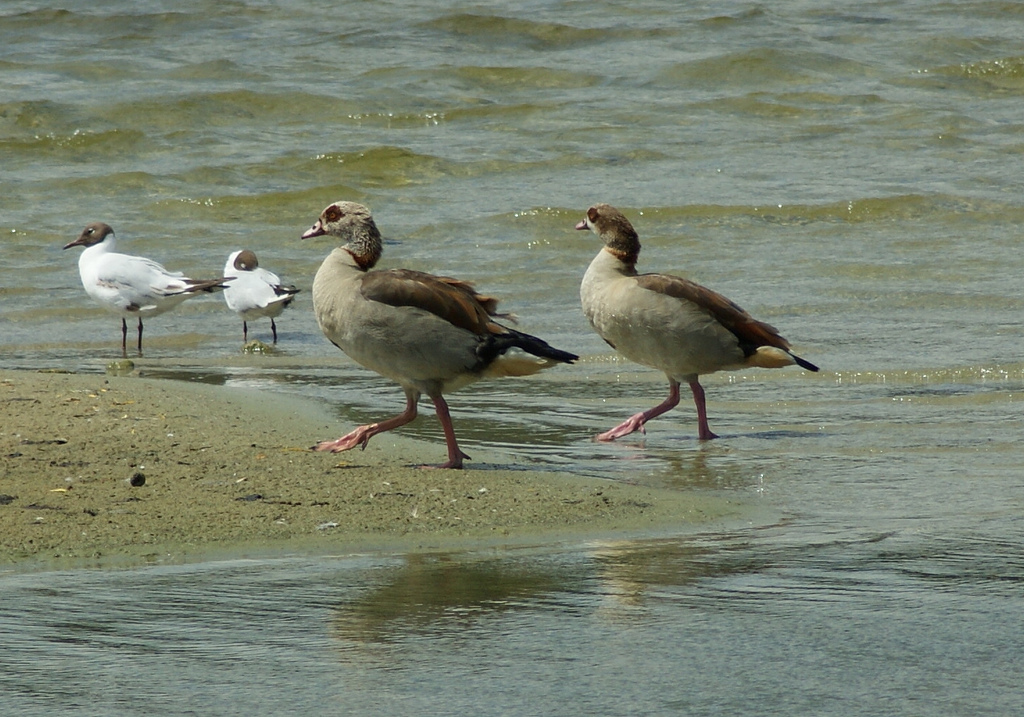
(97, 469)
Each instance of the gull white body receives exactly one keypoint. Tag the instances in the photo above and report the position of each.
(129, 285)
(255, 292)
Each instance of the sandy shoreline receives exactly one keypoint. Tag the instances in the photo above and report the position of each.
(229, 469)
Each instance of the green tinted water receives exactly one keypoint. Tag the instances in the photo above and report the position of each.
(851, 175)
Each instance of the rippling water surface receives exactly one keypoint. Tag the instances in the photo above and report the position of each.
(849, 172)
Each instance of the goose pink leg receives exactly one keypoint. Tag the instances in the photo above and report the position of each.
(455, 454)
(703, 431)
(362, 435)
(636, 423)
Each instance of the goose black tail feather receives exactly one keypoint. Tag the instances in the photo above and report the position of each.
(803, 363)
(499, 344)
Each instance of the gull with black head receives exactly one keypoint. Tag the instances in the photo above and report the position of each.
(254, 291)
(131, 286)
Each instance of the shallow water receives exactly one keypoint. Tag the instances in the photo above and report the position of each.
(849, 174)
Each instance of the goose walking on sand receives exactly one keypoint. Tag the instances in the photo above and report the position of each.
(254, 291)
(669, 323)
(430, 334)
(131, 285)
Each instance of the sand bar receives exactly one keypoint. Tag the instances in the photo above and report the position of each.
(97, 469)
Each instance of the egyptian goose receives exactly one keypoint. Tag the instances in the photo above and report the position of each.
(669, 323)
(131, 285)
(255, 292)
(430, 334)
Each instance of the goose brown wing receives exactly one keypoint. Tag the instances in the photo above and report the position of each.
(750, 332)
(450, 299)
